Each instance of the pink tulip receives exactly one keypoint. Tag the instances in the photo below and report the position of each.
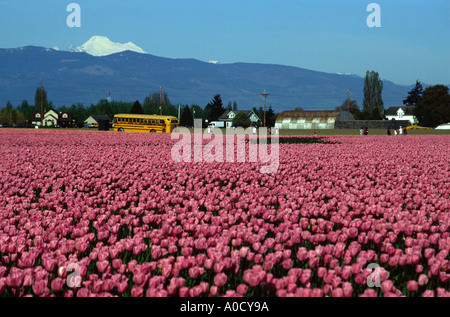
(83, 292)
(139, 278)
(242, 289)
(214, 290)
(15, 280)
(137, 291)
(122, 287)
(220, 279)
(102, 266)
(338, 292)
(423, 280)
(387, 286)
(412, 286)
(57, 284)
(39, 287)
(428, 293)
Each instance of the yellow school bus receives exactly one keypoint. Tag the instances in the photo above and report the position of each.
(144, 123)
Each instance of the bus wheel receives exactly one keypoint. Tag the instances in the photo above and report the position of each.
(121, 130)
(152, 131)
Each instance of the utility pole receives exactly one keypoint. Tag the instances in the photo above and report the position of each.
(265, 94)
(160, 100)
(42, 103)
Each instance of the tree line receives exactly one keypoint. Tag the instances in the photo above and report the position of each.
(431, 105)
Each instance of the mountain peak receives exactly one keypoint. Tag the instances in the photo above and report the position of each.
(103, 46)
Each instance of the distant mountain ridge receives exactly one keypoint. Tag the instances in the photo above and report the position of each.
(77, 77)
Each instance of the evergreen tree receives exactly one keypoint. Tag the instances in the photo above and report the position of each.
(229, 106)
(270, 117)
(137, 108)
(373, 106)
(186, 119)
(216, 108)
(37, 99)
(235, 107)
(26, 110)
(415, 95)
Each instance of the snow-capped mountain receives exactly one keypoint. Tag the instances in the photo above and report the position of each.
(103, 46)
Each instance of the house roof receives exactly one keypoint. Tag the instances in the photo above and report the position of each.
(225, 117)
(392, 111)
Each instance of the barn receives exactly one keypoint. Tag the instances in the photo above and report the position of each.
(307, 120)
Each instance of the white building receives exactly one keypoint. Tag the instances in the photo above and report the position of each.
(93, 121)
(226, 120)
(50, 118)
(401, 113)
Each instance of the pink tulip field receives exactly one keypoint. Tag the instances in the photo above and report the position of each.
(114, 214)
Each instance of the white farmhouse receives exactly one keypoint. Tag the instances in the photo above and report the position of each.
(226, 120)
(50, 118)
(401, 113)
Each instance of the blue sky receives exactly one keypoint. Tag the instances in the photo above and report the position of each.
(332, 36)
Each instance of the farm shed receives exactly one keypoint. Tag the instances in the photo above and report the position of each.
(306, 120)
(94, 121)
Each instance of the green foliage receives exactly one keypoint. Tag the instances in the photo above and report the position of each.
(137, 108)
(186, 118)
(373, 106)
(235, 106)
(305, 140)
(153, 101)
(414, 96)
(215, 108)
(270, 116)
(434, 107)
(37, 98)
(241, 120)
(350, 106)
(10, 116)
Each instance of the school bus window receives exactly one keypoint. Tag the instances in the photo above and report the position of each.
(115, 120)
(161, 121)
